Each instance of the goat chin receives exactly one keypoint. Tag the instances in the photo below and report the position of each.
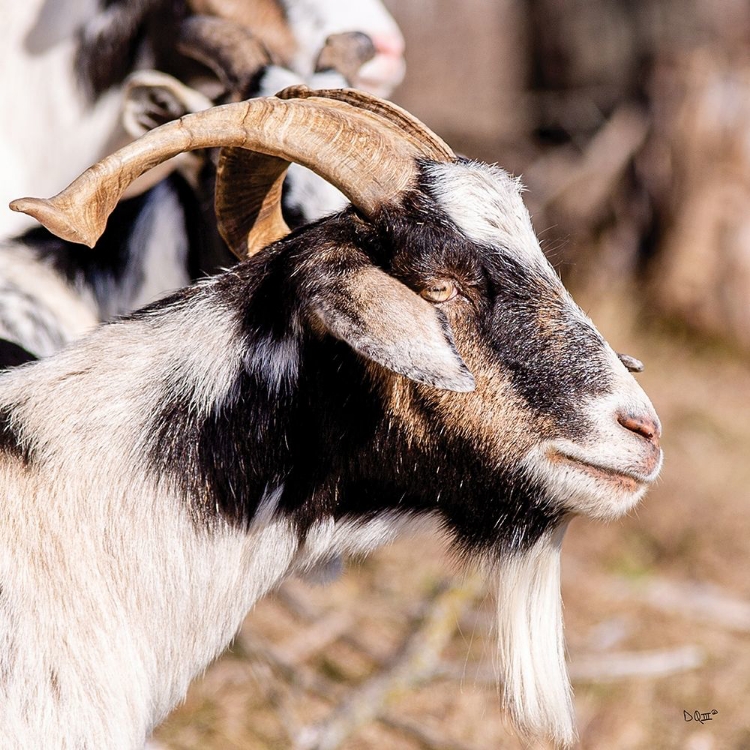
(531, 654)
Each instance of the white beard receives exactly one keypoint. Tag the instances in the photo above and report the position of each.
(531, 651)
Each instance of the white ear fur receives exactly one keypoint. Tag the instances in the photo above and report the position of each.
(152, 98)
(383, 320)
(531, 652)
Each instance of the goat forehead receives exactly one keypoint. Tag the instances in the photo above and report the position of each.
(485, 203)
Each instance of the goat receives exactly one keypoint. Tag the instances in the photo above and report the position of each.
(50, 292)
(413, 356)
(295, 30)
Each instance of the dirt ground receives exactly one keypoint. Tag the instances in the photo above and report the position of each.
(657, 606)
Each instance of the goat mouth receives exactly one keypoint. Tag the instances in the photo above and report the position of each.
(624, 478)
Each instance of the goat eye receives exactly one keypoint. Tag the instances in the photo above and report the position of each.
(440, 291)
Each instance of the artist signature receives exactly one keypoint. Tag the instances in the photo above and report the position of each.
(701, 717)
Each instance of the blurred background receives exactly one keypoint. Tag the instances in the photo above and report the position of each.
(630, 124)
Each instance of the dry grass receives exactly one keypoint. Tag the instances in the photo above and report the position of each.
(634, 586)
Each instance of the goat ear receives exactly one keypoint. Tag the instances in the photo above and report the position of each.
(385, 321)
(153, 98)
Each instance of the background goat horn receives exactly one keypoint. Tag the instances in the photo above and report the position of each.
(231, 51)
(345, 53)
(363, 154)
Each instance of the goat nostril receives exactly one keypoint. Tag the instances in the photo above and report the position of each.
(643, 426)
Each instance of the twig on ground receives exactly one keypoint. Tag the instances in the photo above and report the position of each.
(617, 665)
(701, 602)
(315, 637)
(602, 666)
(698, 601)
(300, 608)
(416, 661)
(430, 739)
(294, 675)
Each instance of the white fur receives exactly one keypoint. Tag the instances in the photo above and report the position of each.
(157, 257)
(312, 195)
(313, 21)
(42, 312)
(351, 536)
(118, 599)
(381, 75)
(39, 310)
(160, 249)
(531, 650)
(485, 203)
(275, 78)
(608, 446)
(49, 133)
(123, 601)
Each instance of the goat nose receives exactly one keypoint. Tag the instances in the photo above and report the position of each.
(646, 427)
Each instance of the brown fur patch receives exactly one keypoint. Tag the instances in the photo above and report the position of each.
(493, 416)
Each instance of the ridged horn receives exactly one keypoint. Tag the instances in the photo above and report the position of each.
(266, 19)
(248, 200)
(248, 185)
(352, 146)
(420, 135)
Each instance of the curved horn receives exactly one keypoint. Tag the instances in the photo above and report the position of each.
(358, 151)
(420, 135)
(266, 19)
(248, 200)
(248, 185)
(231, 51)
(631, 363)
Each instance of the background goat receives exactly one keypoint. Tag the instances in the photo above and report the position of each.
(51, 292)
(414, 356)
(64, 62)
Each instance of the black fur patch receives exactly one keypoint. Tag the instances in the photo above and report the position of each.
(527, 328)
(207, 251)
(109, 44)
(351, 462)
(97, 268)
(10, 440)
(322, 431)
(12, 354)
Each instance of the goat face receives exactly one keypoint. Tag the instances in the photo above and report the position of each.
(313, 21)
(555, 425)
(548, 424)
(559, 403)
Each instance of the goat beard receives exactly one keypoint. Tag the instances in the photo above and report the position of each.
(532, 672)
